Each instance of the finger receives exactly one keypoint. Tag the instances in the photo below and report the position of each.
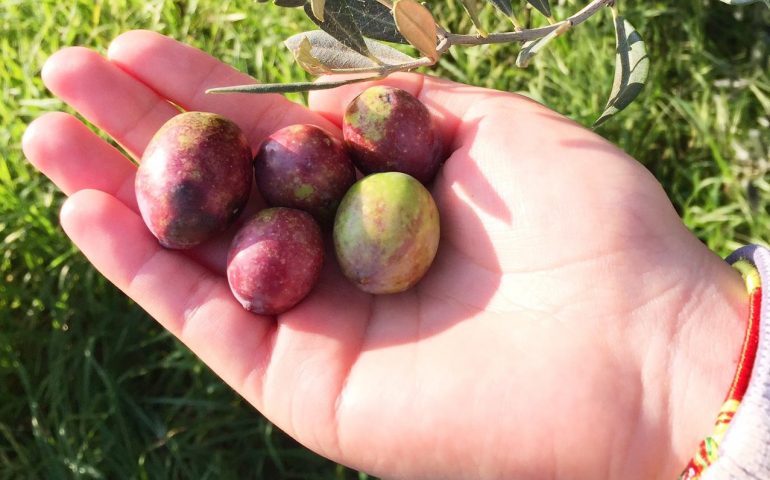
(75, 158)
(182, 74)
(450, 103)
(185, 297)
(129, 111)
(300, 361)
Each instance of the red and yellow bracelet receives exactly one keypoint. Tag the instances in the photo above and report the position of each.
(708, 451)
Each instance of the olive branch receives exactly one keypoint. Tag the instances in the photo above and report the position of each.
(353, 38)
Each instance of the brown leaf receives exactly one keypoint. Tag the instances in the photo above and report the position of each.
(307, 61)
(417, 25)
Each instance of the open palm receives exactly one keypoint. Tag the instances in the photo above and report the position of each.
(562, 286)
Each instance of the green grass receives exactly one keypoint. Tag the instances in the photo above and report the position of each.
(91, 387)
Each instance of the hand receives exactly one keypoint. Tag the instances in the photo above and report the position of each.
(570, 327)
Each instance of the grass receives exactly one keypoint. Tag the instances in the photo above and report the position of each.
(91, 387)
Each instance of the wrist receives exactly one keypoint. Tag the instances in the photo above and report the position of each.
(687, 360)
(738, 444)
(706, 359)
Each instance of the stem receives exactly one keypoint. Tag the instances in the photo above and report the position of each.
(289, 87)
(445, 41)
(377, 73)
(525, 35)
(403, 67)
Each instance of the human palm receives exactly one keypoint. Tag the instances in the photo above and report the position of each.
(532, 347)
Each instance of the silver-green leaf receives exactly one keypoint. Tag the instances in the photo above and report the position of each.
(471, 8)
(290, 87)
(503, 5)
(340, 23)
(631, 67)
(542, 6)
(374, 19)
(746, 2)
(337, 56)
(288, 3)
(529, 49)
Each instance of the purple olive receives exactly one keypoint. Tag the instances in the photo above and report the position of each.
(274, 260)
(389, 130)
(194, 178)
(304, 167)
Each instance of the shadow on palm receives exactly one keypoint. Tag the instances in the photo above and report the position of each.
(514, 203)
(455, 288)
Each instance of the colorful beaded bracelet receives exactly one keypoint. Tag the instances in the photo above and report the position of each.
(739, 447)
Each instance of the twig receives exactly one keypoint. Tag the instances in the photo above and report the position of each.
(524, 35)
(445, 41)
(377, 72)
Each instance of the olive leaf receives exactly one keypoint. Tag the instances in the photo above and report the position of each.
(745, 2)
(505, 7)
(417, 25)
(333, 55)
(374, 20)
(529, 49)
(306, 59)
(317, 6)
(631, 67)
(542, 6)
(293, 87)
(340, 23)
(472, 10)
(287, 3)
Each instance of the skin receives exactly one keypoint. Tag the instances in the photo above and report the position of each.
(194, 178)
(598, 344)
(304, 167)
(274, 260)
(386, 232)
(387, 129)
